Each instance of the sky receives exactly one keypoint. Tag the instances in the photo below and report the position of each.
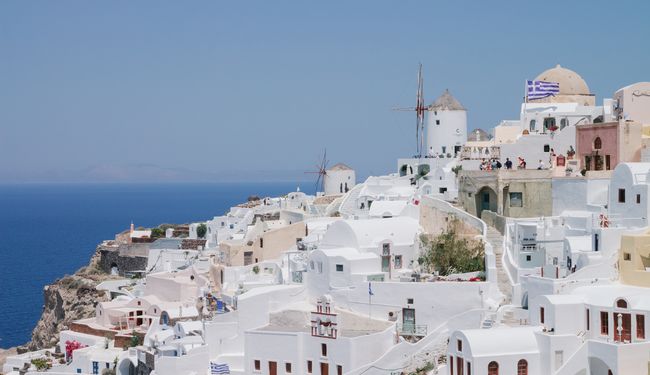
(157, 91)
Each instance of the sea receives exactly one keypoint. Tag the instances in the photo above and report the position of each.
(51, 230)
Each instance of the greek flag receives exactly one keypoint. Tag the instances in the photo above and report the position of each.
(541, 89)
(219, 368)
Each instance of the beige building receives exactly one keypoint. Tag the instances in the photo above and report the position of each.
(633, 102)
(512, 193)
(634, 259)
(267, 240)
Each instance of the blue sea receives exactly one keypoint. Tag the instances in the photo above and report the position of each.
(50, 230)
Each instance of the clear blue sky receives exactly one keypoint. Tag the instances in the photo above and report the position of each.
(162, 90)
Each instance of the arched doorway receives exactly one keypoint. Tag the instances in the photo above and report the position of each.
(486, 199)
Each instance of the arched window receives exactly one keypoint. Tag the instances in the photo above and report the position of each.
(621, 303)
(598, 144)
(522, 367)
(532, 125)
(563, 123)
(493, 368)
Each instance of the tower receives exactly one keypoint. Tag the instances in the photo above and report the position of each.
(446, 126)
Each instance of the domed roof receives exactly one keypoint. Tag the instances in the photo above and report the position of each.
(570, 82)
(446, 101)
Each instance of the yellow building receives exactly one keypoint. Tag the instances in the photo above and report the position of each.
(634, 259)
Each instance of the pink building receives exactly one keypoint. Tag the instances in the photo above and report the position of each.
(601, 146)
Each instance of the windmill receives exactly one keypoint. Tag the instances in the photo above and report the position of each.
(419, 113)
(321, 171)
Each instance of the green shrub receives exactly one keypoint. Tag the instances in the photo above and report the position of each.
(450, 253)
(201, 230)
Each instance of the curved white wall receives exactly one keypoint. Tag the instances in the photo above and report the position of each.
(445, 129)
(334, 180)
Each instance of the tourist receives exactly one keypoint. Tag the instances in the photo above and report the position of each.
(541, 165)
(508, 163)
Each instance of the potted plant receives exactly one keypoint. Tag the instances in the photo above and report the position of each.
(570, 153)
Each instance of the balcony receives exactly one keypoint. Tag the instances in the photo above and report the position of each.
(412, 330)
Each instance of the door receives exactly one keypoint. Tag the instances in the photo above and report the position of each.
(485, 201)
(625, 323)
(324, 368)
(408, 320)
(273, 368)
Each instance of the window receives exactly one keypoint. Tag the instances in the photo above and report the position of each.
(339, 268)
(493, 368)
(621, 303)
(409, 301)
(598, 144)
(559, 358)
(398, 261)
(604, 323)
(459, 365)
(95, 367)
(451, 364)
(541, 315)
(261, 242)
(564, 123)
(309, 367)
(549, 124)
(256, 365)
(385, 249)
(287, 368)
(588, 320)
(547, 148)
(640, 326)
(516, 200)
(621, 195)
(323, 350)
(459, 345)
(339, 370)
(528, 258)
(437, 122)
(469, 368)
(627, 256)
(532, 125)
(522, 367)
(638, 199)
(588, 163)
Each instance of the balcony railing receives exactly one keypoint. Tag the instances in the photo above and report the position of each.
(411, 330)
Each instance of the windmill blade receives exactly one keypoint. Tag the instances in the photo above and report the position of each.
(318, 181)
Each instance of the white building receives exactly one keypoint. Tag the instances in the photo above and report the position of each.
(325, 341)
(446, 126)
(338, 179)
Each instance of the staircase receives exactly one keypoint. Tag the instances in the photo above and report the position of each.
(349, 205)
(496, 240)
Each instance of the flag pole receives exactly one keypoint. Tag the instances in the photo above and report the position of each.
(525, 101)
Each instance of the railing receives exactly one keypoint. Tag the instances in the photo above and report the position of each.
(412, 330)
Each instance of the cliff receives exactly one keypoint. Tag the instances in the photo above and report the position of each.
(68, 299)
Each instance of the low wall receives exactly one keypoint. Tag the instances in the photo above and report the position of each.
(494, 220)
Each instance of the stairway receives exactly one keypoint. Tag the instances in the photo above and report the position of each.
(349, 205)
(496, 240)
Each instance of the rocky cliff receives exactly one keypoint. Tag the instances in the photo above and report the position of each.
(68, 299)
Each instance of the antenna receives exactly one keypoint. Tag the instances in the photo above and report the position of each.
(321, 170)
(419, 113)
